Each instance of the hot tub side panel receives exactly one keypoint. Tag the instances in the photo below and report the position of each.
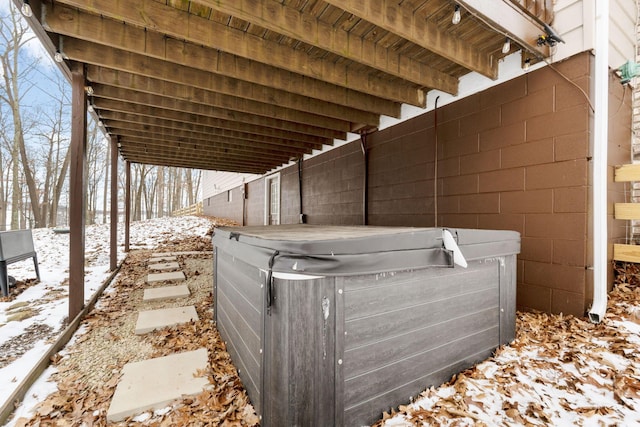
(239, 313)
(299, 386)
(407, 330)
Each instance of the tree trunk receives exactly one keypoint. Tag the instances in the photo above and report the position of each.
(160, 190)
(106, 185)
(188, 173)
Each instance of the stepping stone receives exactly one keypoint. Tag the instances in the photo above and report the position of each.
(154, 383)
(163, 255)
(184, 253)
(156, 319)
(164, 266)
(167, 258)
(167, 292)
(161, 277)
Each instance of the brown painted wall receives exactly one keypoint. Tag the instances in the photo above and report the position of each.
(515, 156)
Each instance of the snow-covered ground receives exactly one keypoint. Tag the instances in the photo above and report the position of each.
(560, 370)
(48, 300)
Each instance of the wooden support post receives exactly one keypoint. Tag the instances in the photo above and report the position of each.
(77, 187)
(113, 252)
(127, 204)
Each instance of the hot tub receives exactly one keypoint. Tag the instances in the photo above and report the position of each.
(332, 325)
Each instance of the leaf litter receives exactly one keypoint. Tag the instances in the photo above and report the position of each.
(559, 371)
(88, 371)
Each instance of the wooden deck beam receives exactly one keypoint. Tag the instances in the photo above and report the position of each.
(204, 114)
(100, 30)
(398, 19)
(235, 106)
(194, 29)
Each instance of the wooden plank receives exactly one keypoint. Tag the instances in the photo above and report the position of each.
(215, 116)
(627, 211)
(114, 67)
(218, 144)
(401, 20)
(193, 163)
(627, 173)
(215, 137)
(100, 30)
(521, 28)
(238, 106)
(305, 27)
(209, 126)
(627, 253)
(159, 17)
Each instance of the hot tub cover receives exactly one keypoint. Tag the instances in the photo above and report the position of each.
(349, 250)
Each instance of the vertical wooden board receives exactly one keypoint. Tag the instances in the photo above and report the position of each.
(276, 360)
(340, 334)
(302, 392)
(215, 285)
(507, 271)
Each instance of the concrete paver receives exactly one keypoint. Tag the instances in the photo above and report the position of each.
(164, 266)
(183, 253)
(155, 319)
(161, 277)
(166, 292)
(167, 258)
(154, 383)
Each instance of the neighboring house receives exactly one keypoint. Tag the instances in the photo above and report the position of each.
(516, 153)
(225, 184)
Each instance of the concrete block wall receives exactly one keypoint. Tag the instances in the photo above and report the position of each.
(514, 157)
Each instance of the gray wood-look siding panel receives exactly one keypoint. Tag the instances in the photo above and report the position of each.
(248, 279)
(375, 356)
(307, 375)
(239, 300)
(250, 314)
(390, 323)
(249, 338)
(361, 389)
(368, 412)
(402, 290)
(508, 278)
(251, 384)
(339, 352)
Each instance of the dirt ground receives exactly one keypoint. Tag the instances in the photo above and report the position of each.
(89, 368)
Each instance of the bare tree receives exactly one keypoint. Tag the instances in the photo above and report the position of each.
(96, 149)
(5, 171)
(16, 73)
